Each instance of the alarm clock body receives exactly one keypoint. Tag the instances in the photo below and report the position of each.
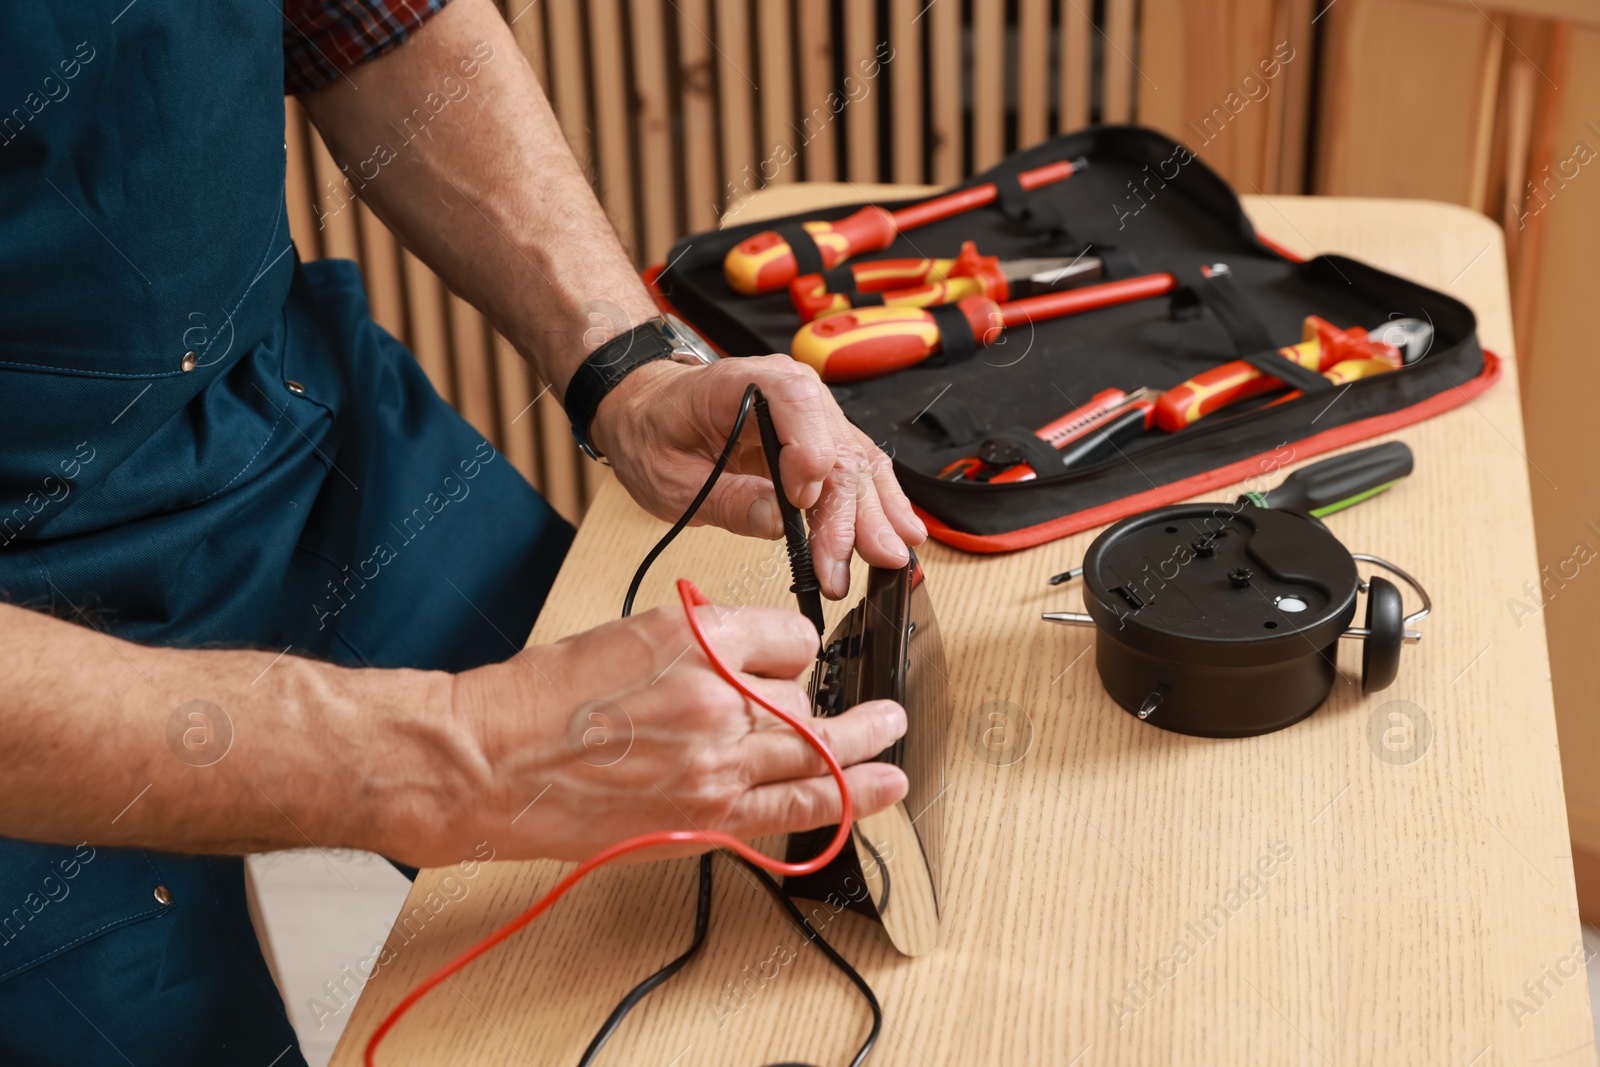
(1219, 620)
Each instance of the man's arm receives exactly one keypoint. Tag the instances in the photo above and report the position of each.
(86, 754)
(487, 192)
(421, 766)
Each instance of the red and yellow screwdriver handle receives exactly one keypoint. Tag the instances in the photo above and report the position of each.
(1323, 347)
(915, 282)
(872, 341)
(876, 275)
(764, 261)
(948, 291)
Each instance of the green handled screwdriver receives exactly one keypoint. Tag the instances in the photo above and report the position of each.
(1335, 484)
(1325, 487)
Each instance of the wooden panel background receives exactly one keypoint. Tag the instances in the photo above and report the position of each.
(1232, 81)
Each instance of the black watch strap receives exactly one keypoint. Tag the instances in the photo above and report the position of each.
(607, 366)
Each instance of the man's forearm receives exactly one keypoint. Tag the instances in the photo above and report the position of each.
(450, 140)
(98, 746)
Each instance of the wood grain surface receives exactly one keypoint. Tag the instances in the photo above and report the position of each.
(1335, 893)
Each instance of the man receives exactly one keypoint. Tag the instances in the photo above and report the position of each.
(262, 530)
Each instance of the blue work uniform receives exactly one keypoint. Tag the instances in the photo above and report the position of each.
(204, 443)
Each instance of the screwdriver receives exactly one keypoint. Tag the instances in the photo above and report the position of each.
(867, 342)
(1324, 487)
(1334, 484)
(1322, 347)
(924, 282)
(764, 261)
(876, 275)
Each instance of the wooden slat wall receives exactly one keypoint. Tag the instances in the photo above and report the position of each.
(1033, 70)
(815, 61)
(988, 104)
(1122, 74)
(905, 37)
(860, 43)
(652, 96)
(946, 126)
(696, 103)
(614, 138)
(736, 92)
(776, 80)
(1074, 86)
(679, 109)
(1219, 82)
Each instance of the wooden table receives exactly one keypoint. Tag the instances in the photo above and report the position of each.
(1413, 890)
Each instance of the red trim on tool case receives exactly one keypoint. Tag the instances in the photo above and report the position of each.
(1171, 493)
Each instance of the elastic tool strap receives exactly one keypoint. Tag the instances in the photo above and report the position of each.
(840, 279)
(1115, 263)
(953, 422)
(957, 341)
(1048, 221)
(1035, 451)
(1250, 338)
(1037, 213)
(1185, 305)
(807, 256)
(1010, 198)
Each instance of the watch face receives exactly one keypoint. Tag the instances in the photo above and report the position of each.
(687, 346)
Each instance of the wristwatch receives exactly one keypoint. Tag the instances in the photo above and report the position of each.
(666, 337)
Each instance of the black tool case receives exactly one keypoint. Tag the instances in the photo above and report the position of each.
(1143, 205)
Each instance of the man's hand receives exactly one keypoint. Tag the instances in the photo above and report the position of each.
(493, 200)
(626, 729)
(664, 425)
(557, 752)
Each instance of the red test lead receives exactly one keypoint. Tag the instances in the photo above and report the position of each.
(692, 598)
